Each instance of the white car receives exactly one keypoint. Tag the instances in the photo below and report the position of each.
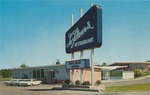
(11, 82)
(16, 82)
(7, 82)
(30, 82)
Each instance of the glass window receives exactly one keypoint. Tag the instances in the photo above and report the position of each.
(42, 73)
(53, 74)
(34, 74)
(38, 74)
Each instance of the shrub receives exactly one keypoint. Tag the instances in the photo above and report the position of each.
(86, 83)
(67, 81)
(137, 73)
(98, 82)
(77, 82)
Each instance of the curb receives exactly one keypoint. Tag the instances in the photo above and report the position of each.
(76, 89)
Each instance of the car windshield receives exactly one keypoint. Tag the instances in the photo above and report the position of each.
(28, 80)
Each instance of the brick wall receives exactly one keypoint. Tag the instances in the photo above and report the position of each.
(86, 74)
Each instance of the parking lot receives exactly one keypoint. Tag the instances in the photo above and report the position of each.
(39, 90)
(47, 90)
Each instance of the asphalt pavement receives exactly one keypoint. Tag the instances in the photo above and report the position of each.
(48, 89)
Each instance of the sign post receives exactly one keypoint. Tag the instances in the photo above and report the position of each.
(85, 34)
(92, 64)
(81, 53)
(72, 54)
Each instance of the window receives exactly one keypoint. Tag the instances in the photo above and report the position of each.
(42, 73)
(34, 73)
(53, 74)
(38, 74)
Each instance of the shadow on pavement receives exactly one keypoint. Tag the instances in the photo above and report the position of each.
(60, 89)
(39, 89)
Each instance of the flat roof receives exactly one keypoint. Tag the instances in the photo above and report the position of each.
(109, 68)
(126, 63)
(44, 66)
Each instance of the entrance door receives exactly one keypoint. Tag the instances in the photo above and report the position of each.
(50, 76)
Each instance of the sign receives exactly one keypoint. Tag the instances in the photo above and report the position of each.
(86, 33)
(78, 64)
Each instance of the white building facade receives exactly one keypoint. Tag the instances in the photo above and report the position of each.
(48, 74)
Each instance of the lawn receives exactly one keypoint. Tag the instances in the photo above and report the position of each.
(5, 79)
(144, 74)
(129, 88)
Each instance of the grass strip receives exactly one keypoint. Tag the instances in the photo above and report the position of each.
(129, 88)
(5, 79)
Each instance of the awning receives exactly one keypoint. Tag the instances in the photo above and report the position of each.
(109, 68)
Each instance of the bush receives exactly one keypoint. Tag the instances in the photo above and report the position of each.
(137, 73)
(77, 82)
(86, 83)
(98, 82)
(67, 81)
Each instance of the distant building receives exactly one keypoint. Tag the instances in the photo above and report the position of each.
(143, 66)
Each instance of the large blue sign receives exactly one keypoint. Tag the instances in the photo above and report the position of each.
(86, 33)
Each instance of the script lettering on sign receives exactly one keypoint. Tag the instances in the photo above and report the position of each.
(86, 33)
(76, 34)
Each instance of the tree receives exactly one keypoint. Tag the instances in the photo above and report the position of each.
(148, 61)
(24, 65)
(0, 73)
(104, 64)
(6, 73)
(137, 73)
(57, 62)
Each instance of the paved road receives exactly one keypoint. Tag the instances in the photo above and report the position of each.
(127, 82)
(47, 90)
(39, 90)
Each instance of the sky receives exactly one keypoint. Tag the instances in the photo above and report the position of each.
(33, 31)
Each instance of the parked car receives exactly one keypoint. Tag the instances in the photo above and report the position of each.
(16, 82)
(12, 82)
(7, 82)
(30, 82)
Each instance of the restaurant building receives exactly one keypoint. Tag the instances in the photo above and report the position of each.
(54, 73)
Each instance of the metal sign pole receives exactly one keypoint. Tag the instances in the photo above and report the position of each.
(81, 53)
(92, 61)
(92, 64)
(72, 57)
(72, 54)
(91, 4)
(81, 71)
